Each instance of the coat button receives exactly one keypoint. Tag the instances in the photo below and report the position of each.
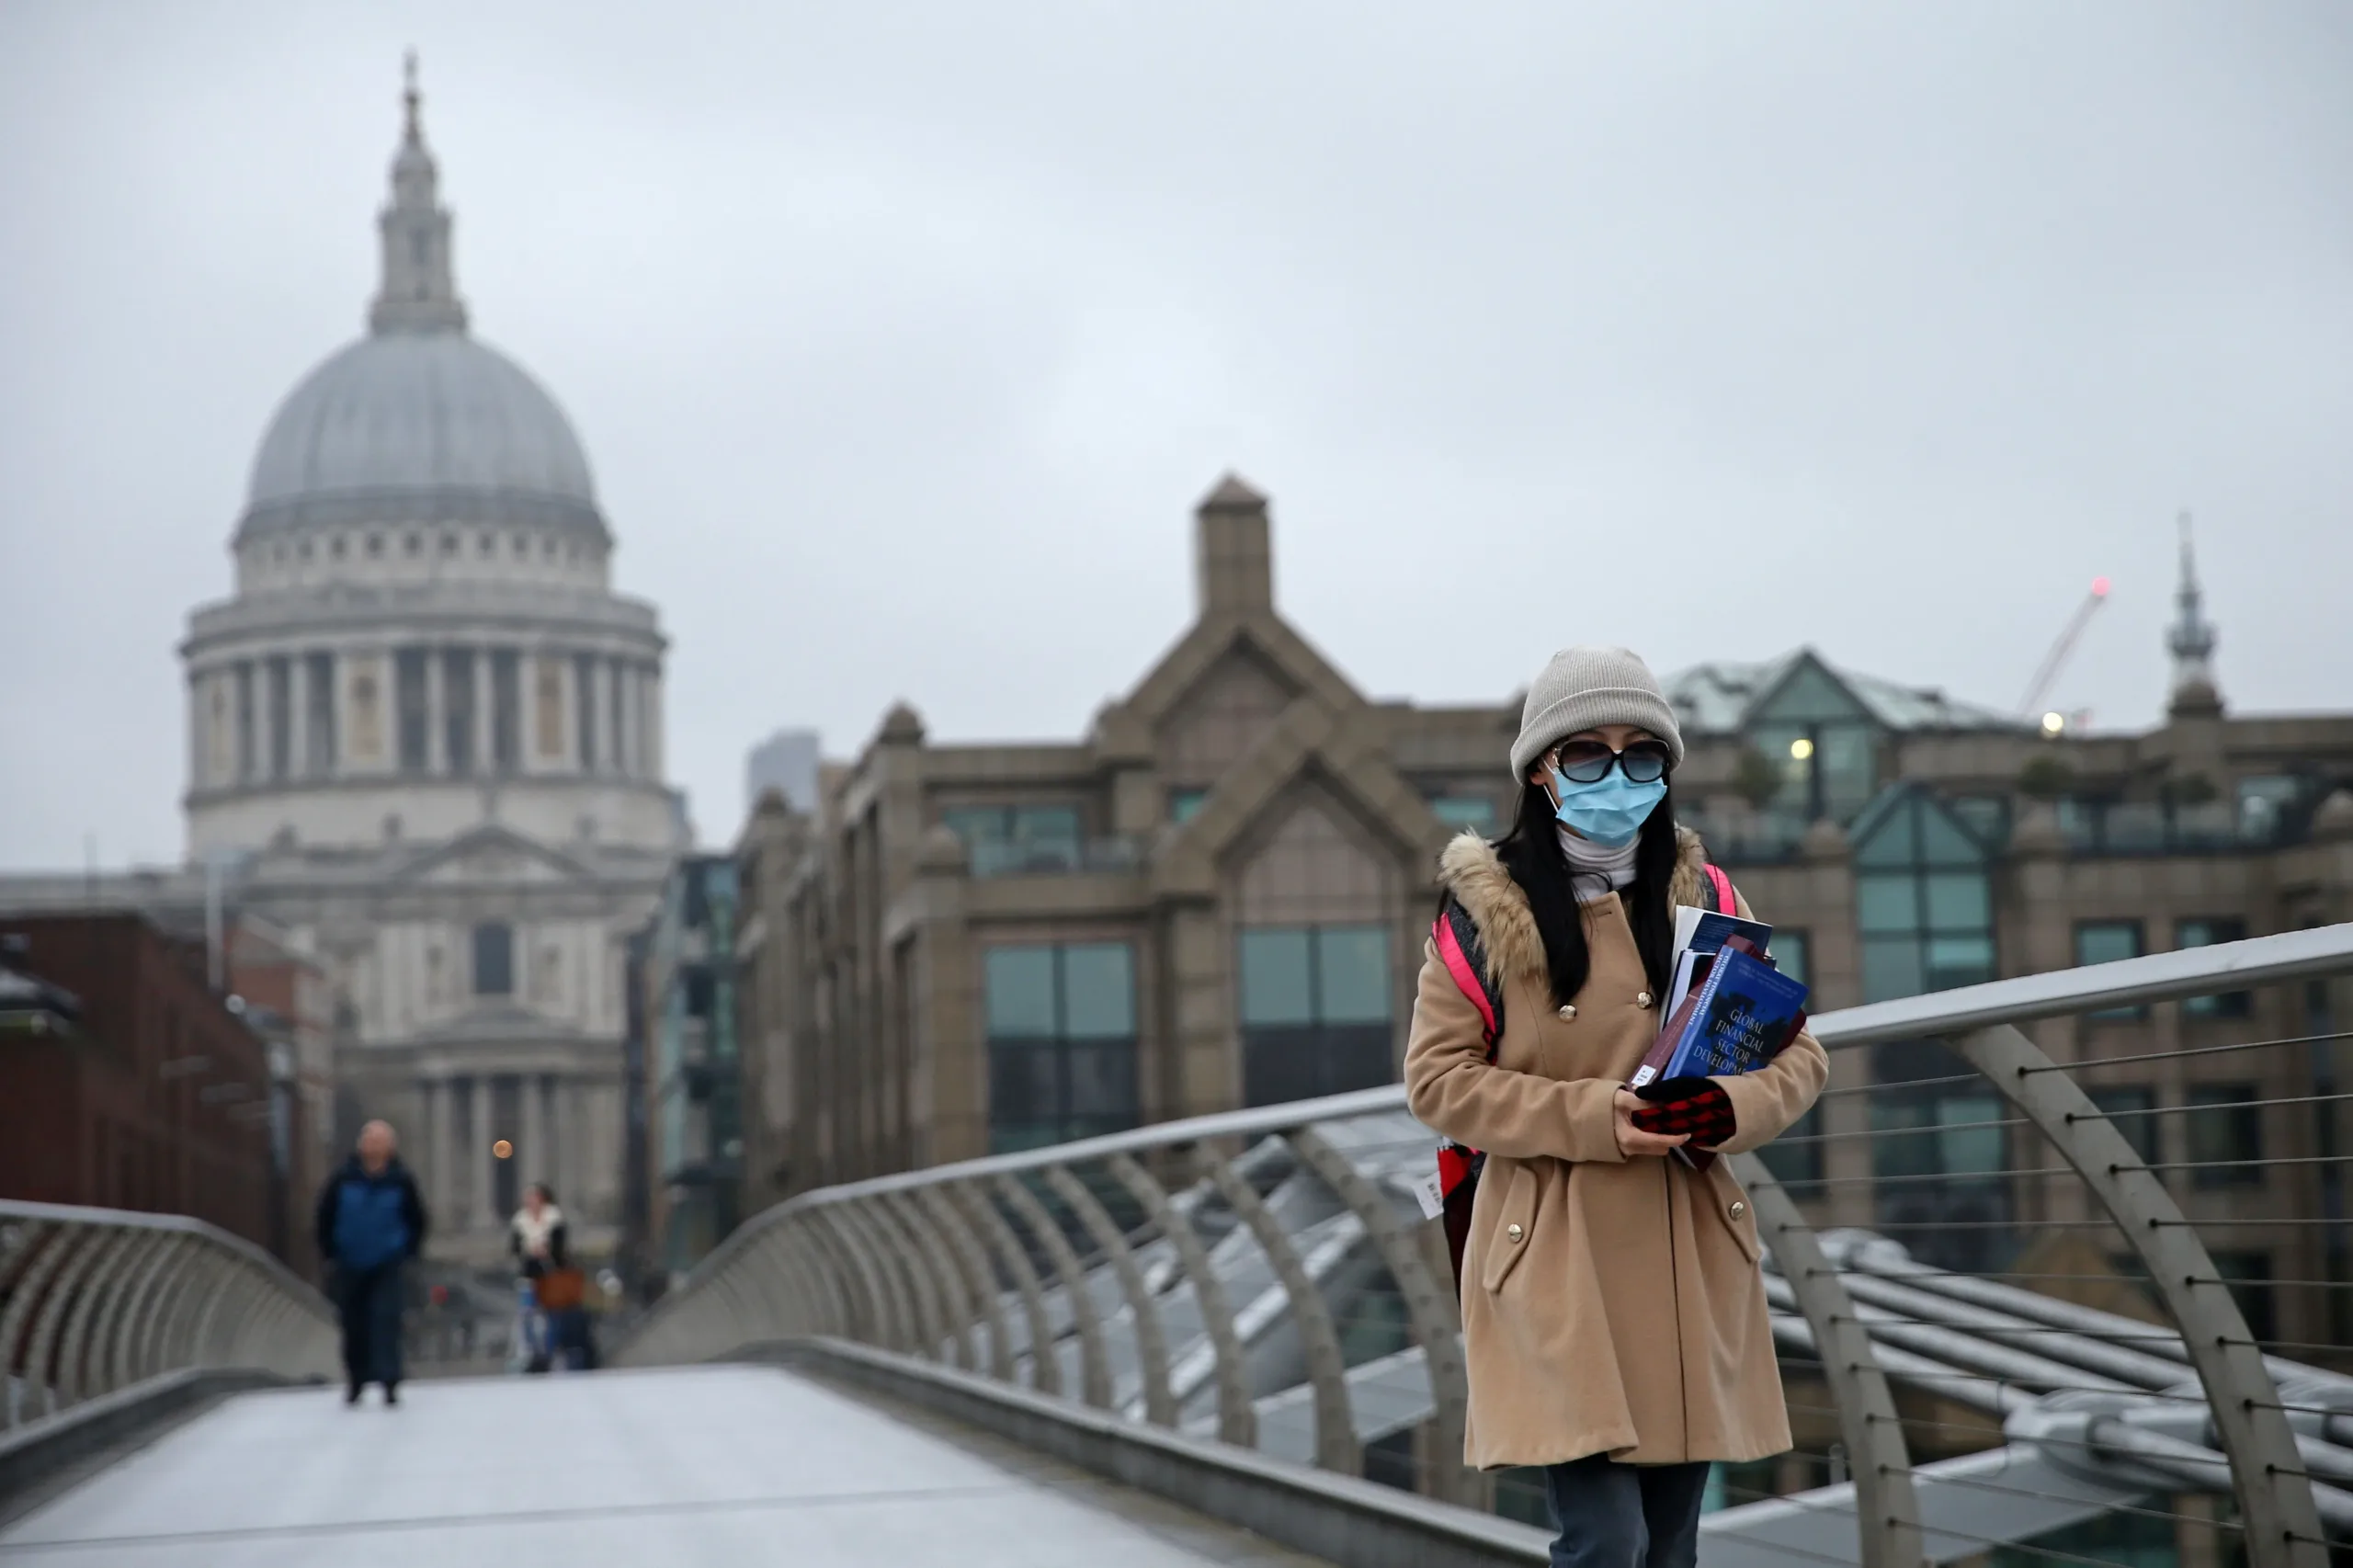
(1642, 998)
(1568, 1012)
(1514, 1231)
(1738, 1208)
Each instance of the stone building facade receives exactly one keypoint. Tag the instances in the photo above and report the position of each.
(1217, 897)
(425, 743)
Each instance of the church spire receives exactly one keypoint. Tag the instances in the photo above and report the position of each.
(2190, 639)
(418, 293)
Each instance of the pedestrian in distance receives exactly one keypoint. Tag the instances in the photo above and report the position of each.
(549, 1284)
(538, 1236)
(1614, 1318)
(370, 1223)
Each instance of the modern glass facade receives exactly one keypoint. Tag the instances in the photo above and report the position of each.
(1316, 1011)
(695, 1075)
(1923, 898)
(1062, 1042)
(1924, 912)
(1825, 744)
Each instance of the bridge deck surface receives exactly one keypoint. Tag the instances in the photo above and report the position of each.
(695, 1466)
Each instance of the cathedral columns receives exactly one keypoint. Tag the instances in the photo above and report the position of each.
(563, 1163)
(436, 709)
(199, 692)
(650, 691)
(442, 1175)
(252, 719)
(531, 1087)
(485, 759)
(631, 737)
(601, 702)
(485, 1218)
(298, 716)
(581, 1138)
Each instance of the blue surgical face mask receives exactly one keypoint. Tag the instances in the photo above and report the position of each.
(1608, 811)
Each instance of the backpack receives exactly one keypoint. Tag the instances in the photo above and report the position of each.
(1456, 937)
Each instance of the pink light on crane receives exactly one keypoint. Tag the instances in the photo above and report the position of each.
(2031, 703)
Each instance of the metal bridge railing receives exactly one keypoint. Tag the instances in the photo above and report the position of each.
(2059, 1265)
(93, 1300)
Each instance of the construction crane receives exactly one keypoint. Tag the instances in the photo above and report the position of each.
(2052, 723)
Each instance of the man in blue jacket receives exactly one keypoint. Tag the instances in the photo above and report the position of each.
(370, 1223)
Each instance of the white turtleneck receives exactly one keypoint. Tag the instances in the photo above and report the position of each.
(1594, 871)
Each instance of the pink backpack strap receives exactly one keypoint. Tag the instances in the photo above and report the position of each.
(1466, 976)
(1726, 903)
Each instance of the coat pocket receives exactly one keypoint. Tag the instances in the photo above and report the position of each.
(1507, 1240)
(1721, 1192)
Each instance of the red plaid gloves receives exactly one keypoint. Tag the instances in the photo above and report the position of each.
(1697, 1106)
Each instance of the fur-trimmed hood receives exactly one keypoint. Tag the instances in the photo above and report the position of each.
(1475, 874)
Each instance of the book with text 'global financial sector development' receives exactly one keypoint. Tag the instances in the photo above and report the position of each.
(1742, 1015)
(1740, 1012)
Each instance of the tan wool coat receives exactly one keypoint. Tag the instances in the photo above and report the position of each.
(1609, 1305)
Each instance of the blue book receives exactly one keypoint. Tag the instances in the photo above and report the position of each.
(1741, 1014)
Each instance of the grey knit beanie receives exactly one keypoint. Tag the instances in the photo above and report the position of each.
(1584, 688)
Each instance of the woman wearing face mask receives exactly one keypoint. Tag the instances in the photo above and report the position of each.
(1613, 1316)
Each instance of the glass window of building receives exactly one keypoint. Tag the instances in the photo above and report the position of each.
(2206, 934)
(1469, 814)
(1316, 1011)
(494, 958)
(1795, 1157)
(1987, 816)
(1182, 804)
(1791, 953)
(2248, 1275)
(1923, 898)
(1940, 1148)
(2129, 1108)
(1006, 840)
(2265, 805)
(1061, 1031)
(2110, 942)
(1825, 742)
(2226, 1132)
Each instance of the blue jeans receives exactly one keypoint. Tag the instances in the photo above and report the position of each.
(1625, 1516)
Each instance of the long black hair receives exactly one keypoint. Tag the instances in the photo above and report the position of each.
(1531, 852)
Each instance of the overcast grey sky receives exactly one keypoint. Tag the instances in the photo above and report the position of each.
(903, 338)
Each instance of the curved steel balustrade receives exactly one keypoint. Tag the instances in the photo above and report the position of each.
(93, 1300)
(1264, 1277)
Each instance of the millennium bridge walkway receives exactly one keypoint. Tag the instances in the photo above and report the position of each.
(2029, 1309)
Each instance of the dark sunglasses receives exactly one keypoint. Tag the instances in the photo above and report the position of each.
(1588, 761)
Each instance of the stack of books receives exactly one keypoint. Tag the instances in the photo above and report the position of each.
(1729, 1010)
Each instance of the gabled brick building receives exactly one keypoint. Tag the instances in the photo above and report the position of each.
(1217, 897)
